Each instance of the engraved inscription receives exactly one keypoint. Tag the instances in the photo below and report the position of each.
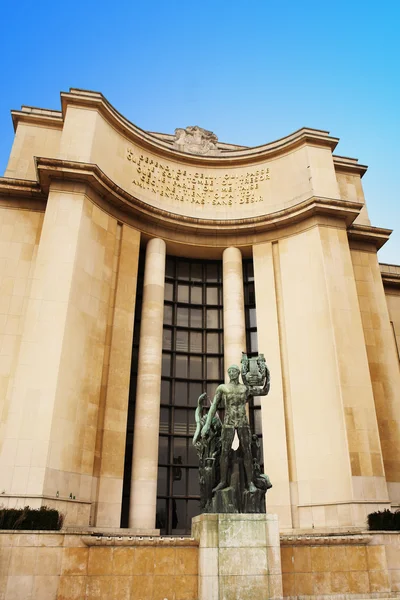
(185, 185)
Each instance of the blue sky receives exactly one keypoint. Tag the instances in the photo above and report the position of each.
(250, 71)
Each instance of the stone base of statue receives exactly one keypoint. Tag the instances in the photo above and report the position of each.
(239, 556)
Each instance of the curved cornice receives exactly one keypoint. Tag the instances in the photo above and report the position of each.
(90, 99)
(49, 170)
(227, 157)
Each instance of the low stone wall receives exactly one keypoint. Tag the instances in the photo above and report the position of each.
(75, 566)
(342, 566)
(60, 566)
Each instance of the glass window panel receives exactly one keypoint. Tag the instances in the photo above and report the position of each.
(135, 357)
(250, 270)
(212, 318)
(181, 394)
(251, 296)
(197, 272)
(213, 343)
(174, 515)
(165, 392)
(196, 367)
(196, 294)
(162, 481)
(183, 270)
(136, 333)
(169, 291)
(161, 515)
(212, 272)
(163, 456)
(164, 420)
(212, 295)
(167, 314)
(182, 341)
(178, 516)
(191, 425)
(182, 316)
(257, 421)
(183, 293)
(196, 317)
(211, 387)
(179, 481)
(181, 366)
(252, 317)
(170, 267)
(196, 341)
(193, 483)
(167, 339)
(213, 371)
(257, 401)
(180, 421)
(166, 365)
(193, 509)
(253, 341)
(180, 451)
(195, 389)
(193, 459)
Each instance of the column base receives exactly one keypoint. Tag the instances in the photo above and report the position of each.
(239, 556)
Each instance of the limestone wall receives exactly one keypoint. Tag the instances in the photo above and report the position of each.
(383, 361)
(343, 566)
(391, 279)
(19, 238)
(67, 317)
(350, 188)
(59, 566)
(30, 141)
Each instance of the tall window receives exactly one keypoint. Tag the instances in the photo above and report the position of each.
(252, 341)
(126, 490)
(192, 363)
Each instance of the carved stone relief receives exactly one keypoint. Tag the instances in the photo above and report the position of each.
(196, 140)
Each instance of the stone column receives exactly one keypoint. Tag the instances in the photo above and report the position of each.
(279, 459)
(142, 510)
(234, 321)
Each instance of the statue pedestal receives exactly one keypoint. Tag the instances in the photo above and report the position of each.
(239, 556)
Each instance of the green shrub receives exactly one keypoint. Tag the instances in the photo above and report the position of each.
(43, 518)
(384, 520)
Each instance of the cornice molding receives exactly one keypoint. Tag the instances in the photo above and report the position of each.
(239, 156)
(325, 540)
(390, 275)
(366, 234)
(348, 165)
(37, 116)
(50, 170)
(22, 193)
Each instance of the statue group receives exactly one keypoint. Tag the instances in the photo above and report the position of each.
(231, 480)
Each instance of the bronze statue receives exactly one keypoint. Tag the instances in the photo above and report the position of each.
(239, 484)
(209, 452)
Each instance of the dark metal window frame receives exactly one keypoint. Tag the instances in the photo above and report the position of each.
(179, 275)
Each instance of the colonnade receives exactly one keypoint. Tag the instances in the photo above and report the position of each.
(143, 496)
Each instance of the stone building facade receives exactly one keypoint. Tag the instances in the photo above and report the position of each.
(136, 267)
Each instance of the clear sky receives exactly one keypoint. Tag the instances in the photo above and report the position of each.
(250, 71)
